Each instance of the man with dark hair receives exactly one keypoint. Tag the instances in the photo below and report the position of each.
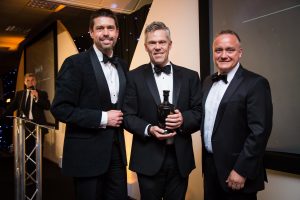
(88, 98)
(162, 161)
(237, 123)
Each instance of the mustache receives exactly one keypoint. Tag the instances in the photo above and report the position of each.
(107, 38)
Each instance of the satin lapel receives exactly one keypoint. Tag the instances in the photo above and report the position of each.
(122, 84)
(22, 97)
(100, 77)
(149, 77)
(206, 91)
(236, 81)
(177, 80)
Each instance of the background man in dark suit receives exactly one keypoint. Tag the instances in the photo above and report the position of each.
(236, 125)
(88, 98)
(32, 108)
(163, 162)
(30, 104)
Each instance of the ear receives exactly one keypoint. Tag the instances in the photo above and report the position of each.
(91, 33)
(170, 45)
(241, 52)
(146, 48)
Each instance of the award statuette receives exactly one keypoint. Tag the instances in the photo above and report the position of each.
(164, 109)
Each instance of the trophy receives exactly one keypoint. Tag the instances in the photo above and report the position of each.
(165, 109)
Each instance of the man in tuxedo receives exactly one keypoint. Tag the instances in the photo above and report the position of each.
(237, 123)
(30, 105)
(88, 98)
(162, 161)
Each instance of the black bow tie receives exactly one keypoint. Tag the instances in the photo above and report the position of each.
(112, 60)
(166, 69)
(215, 78)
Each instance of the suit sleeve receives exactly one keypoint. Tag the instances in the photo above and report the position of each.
(259, 119)
(192, 116)
(132, 122)
(66, 104)
(43, 101)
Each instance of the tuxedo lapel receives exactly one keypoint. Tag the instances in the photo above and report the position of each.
(177, 80)
(100, 77)
(22, 98)
(122, 84)
(149, 77)
(206, 90)
(236, 81)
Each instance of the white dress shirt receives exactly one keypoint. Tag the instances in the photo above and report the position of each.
(212, 103)
(30, 107)
(112, 78)
(163, 82)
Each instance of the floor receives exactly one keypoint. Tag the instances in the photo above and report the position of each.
(55, 186)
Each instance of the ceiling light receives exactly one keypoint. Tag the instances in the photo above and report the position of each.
(42, 4)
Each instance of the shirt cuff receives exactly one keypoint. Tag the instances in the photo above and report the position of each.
(104, 120)
(146, 130)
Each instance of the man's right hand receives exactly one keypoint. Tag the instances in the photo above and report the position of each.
(159, 133)
(114, 118)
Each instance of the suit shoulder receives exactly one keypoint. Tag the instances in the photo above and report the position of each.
(42, 92)
(78, 57)
(188, 73)
(252, 75)
(139, 69)
(74, 62)
(255, 81)
(184, 69)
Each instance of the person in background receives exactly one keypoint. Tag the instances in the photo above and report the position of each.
(30, 104)
(88, 98)
(237, 123)
(162, 161)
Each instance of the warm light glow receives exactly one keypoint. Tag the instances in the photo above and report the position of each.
(59, 8)
(11, 43)
(8, 100)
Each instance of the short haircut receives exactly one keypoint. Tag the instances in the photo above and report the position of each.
(103, 12)
(156, 25)
(30, 75)
(230, 32)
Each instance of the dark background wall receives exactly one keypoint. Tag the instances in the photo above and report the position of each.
(270, 32)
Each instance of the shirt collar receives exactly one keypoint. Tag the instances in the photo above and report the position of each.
(232, 72)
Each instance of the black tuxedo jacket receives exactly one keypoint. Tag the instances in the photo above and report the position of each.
(140, 109)
(242, 127)
(82, 94)
(38, 107)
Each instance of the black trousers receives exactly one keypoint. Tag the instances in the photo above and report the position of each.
(167, 183)
(109, 186)
(212, 187)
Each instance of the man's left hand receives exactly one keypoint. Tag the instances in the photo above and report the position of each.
(235, 181)
(174, 121)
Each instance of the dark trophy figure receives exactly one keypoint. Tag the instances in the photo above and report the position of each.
(164, 109)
